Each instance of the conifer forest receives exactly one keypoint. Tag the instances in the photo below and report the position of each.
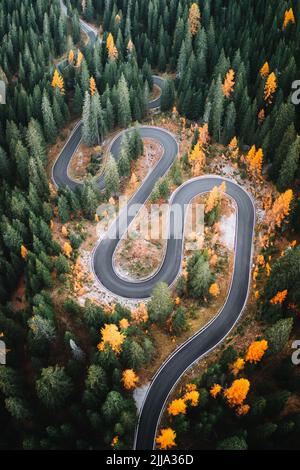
(150, 225)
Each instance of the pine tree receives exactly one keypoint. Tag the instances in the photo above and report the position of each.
(124, 111)
(160, 306)
(168, 96)
(48, 119)
(53, 387)
(289, 167)
(112, 180)
(215, 120)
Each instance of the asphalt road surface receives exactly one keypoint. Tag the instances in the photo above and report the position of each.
(216, 331)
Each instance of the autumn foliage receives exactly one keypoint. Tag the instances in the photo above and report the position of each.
(254, 160)
(93, 87)
(58, 81)
(279, 298)
(265, 70)
(214, 290)
(280, 210)
(24, 252)
(215, 390)
(270, 88)
(256, 351)
(238, 366)
(229, 83)
(194, 19)
(237, 393)
(215, 197)
(111, 48)
(166, 439)
(177, 407)
(112, 336)
(289, 17)
(197, 159)
(129, 379)
(67, 249)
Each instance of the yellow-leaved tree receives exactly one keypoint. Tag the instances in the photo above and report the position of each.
(177, 407)
(129, 379)
(279, 298)
(197, 159)
(79, 59)
(214, 290)
(237, 366)
(24, 252)
(215, 390)
(93, 86)
(237, 393)
(71, 57)
(270, 88)
(194, 19)
(58, 81)
(111, 335)
(215, 197)
(140, 314)
(280, 210)
(289, 17)
(166, 439)
(256, 351)
(68, 250)
(255, 160)
(228, 85)
(111, 48)
(265, 70)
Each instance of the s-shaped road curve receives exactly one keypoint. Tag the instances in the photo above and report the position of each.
(216, 331)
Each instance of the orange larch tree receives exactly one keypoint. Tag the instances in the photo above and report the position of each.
(279, 298)
(93, 86)
(68, 250)
(166, 439)
(242, 410)
(215, 390)
(289, 17)
(215, 197)
(256, 351)
(129, 379)
(228, 84)
(237, 393)
(177, 407)
(197, 159)
(194, 19)
(237, 366)
(111, 48)
(254, 160)
(58, 81)
(112, 336)
(192, 397)
(79, 59)
(265, 70)
(270, 88)
(24, 252)
(280, 210)
(140, 314)
(71, 57)
(214, 290)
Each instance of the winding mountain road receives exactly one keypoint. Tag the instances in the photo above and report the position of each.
(216, 331)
